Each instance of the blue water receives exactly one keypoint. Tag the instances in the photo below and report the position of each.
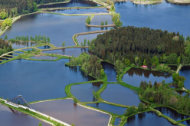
(84, 92)
(37, 80)
(121, 95)
(165, 16)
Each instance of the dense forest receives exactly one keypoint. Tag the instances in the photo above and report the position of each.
(4, 47)
(10, 8)
(14, 7)
(141, 46)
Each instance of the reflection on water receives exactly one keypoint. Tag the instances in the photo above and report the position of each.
(110, 71)
(135, 75)
(165, 16)
(186, 73)
(84, 92)
(73, 3)
(172, 114)
(147, 119)
(8, 118)
(67, 111)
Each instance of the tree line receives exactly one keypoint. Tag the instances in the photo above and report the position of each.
(4, 47)
(11, 8)
(141, 46)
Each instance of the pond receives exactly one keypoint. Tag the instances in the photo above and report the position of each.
(135, 75)
(67, 111)
(147, 119)
(84, 92)
(73, 3)
(8, 118)
(83, 11)
(47, 24)
(186, 74)
(37, 80)
(165, 16)
(121, 95)
(68, 51)
(109, 108)
(110, 71)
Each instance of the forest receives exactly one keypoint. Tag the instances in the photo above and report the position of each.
(161, 94)
(141, 46)
(90, 65)
(10, 8)
(4, 47)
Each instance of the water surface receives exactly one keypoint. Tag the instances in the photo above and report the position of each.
(84, 92)
(58, 28)
(37, 80)
(165, 16)
(8, 118)
(135, 75)
(147, 119)
(83, 11)
(67, 111)
(186, 74)
(121, 95)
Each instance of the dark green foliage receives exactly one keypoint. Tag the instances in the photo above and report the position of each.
(163, 95)
(4, 47)
(141, 107)
(14, 7)
(141, 46)
(178, 81)
(131, 110)
(88, 20)
(90, 65)
(24, 40)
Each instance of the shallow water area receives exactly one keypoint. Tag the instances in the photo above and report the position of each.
(121, 95)
(8, 118)
(84, 92)
(135, 75)
(67, 111)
